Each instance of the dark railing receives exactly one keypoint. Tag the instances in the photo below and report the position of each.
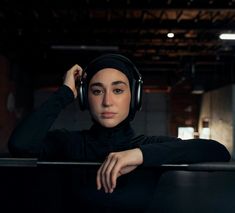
(34, 162)
(30, 185)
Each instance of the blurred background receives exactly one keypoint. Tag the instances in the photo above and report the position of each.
(187, 66)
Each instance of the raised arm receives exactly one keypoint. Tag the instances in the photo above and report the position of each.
(26, 139)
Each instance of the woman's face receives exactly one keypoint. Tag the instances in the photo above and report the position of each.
(109, 97)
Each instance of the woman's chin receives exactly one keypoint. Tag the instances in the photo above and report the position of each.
(109, 123)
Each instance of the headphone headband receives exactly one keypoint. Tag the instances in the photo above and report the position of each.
(136, 90)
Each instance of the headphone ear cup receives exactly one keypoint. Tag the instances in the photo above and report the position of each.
(82, 95)
(133, 96)
(138, 94)
(136, 99)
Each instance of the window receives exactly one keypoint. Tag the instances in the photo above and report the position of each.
(186, 132)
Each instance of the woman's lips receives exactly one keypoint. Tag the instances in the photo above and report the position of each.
(108, 115)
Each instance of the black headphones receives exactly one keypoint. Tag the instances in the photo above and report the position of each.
(136, 99)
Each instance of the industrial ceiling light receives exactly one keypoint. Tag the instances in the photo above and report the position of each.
(170, 35)
(227, 36)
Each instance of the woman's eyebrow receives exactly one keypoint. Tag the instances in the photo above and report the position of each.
(119, 82)
(99, 84)
(96, 84)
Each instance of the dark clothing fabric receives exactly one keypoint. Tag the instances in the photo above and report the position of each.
(115, 61)
(32, 138)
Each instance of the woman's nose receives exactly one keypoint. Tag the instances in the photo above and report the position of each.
(107, 99)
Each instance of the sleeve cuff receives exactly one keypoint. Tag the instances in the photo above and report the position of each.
(65, 94)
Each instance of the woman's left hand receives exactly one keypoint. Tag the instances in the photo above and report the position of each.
(115, 165)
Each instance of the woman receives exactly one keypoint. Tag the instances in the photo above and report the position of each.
(110, 88)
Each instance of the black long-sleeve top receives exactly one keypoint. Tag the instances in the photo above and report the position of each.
(135, 190)
(32, 138)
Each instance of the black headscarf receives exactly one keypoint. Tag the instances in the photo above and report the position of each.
(115, 61)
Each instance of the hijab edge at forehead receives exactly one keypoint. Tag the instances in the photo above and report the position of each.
(109, 61)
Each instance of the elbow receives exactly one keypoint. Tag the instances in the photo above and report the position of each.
(15, 147)
(226, 154)
(221, 153)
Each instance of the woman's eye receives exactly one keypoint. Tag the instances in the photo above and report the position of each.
(97, 92)
(118, 91)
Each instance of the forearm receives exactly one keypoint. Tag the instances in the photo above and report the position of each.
(190, 151)
(28, 136)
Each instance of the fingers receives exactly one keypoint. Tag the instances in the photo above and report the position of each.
(115, 174)
(75, 71)
(117, 164)
(71, 76)
(108, 173)
(98, 182)
(101, 176)
(105, 174)
(76, 68)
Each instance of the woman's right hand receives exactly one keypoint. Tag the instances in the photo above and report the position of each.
(71, 76)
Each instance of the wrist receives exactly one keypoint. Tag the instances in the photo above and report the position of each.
(140, 158)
